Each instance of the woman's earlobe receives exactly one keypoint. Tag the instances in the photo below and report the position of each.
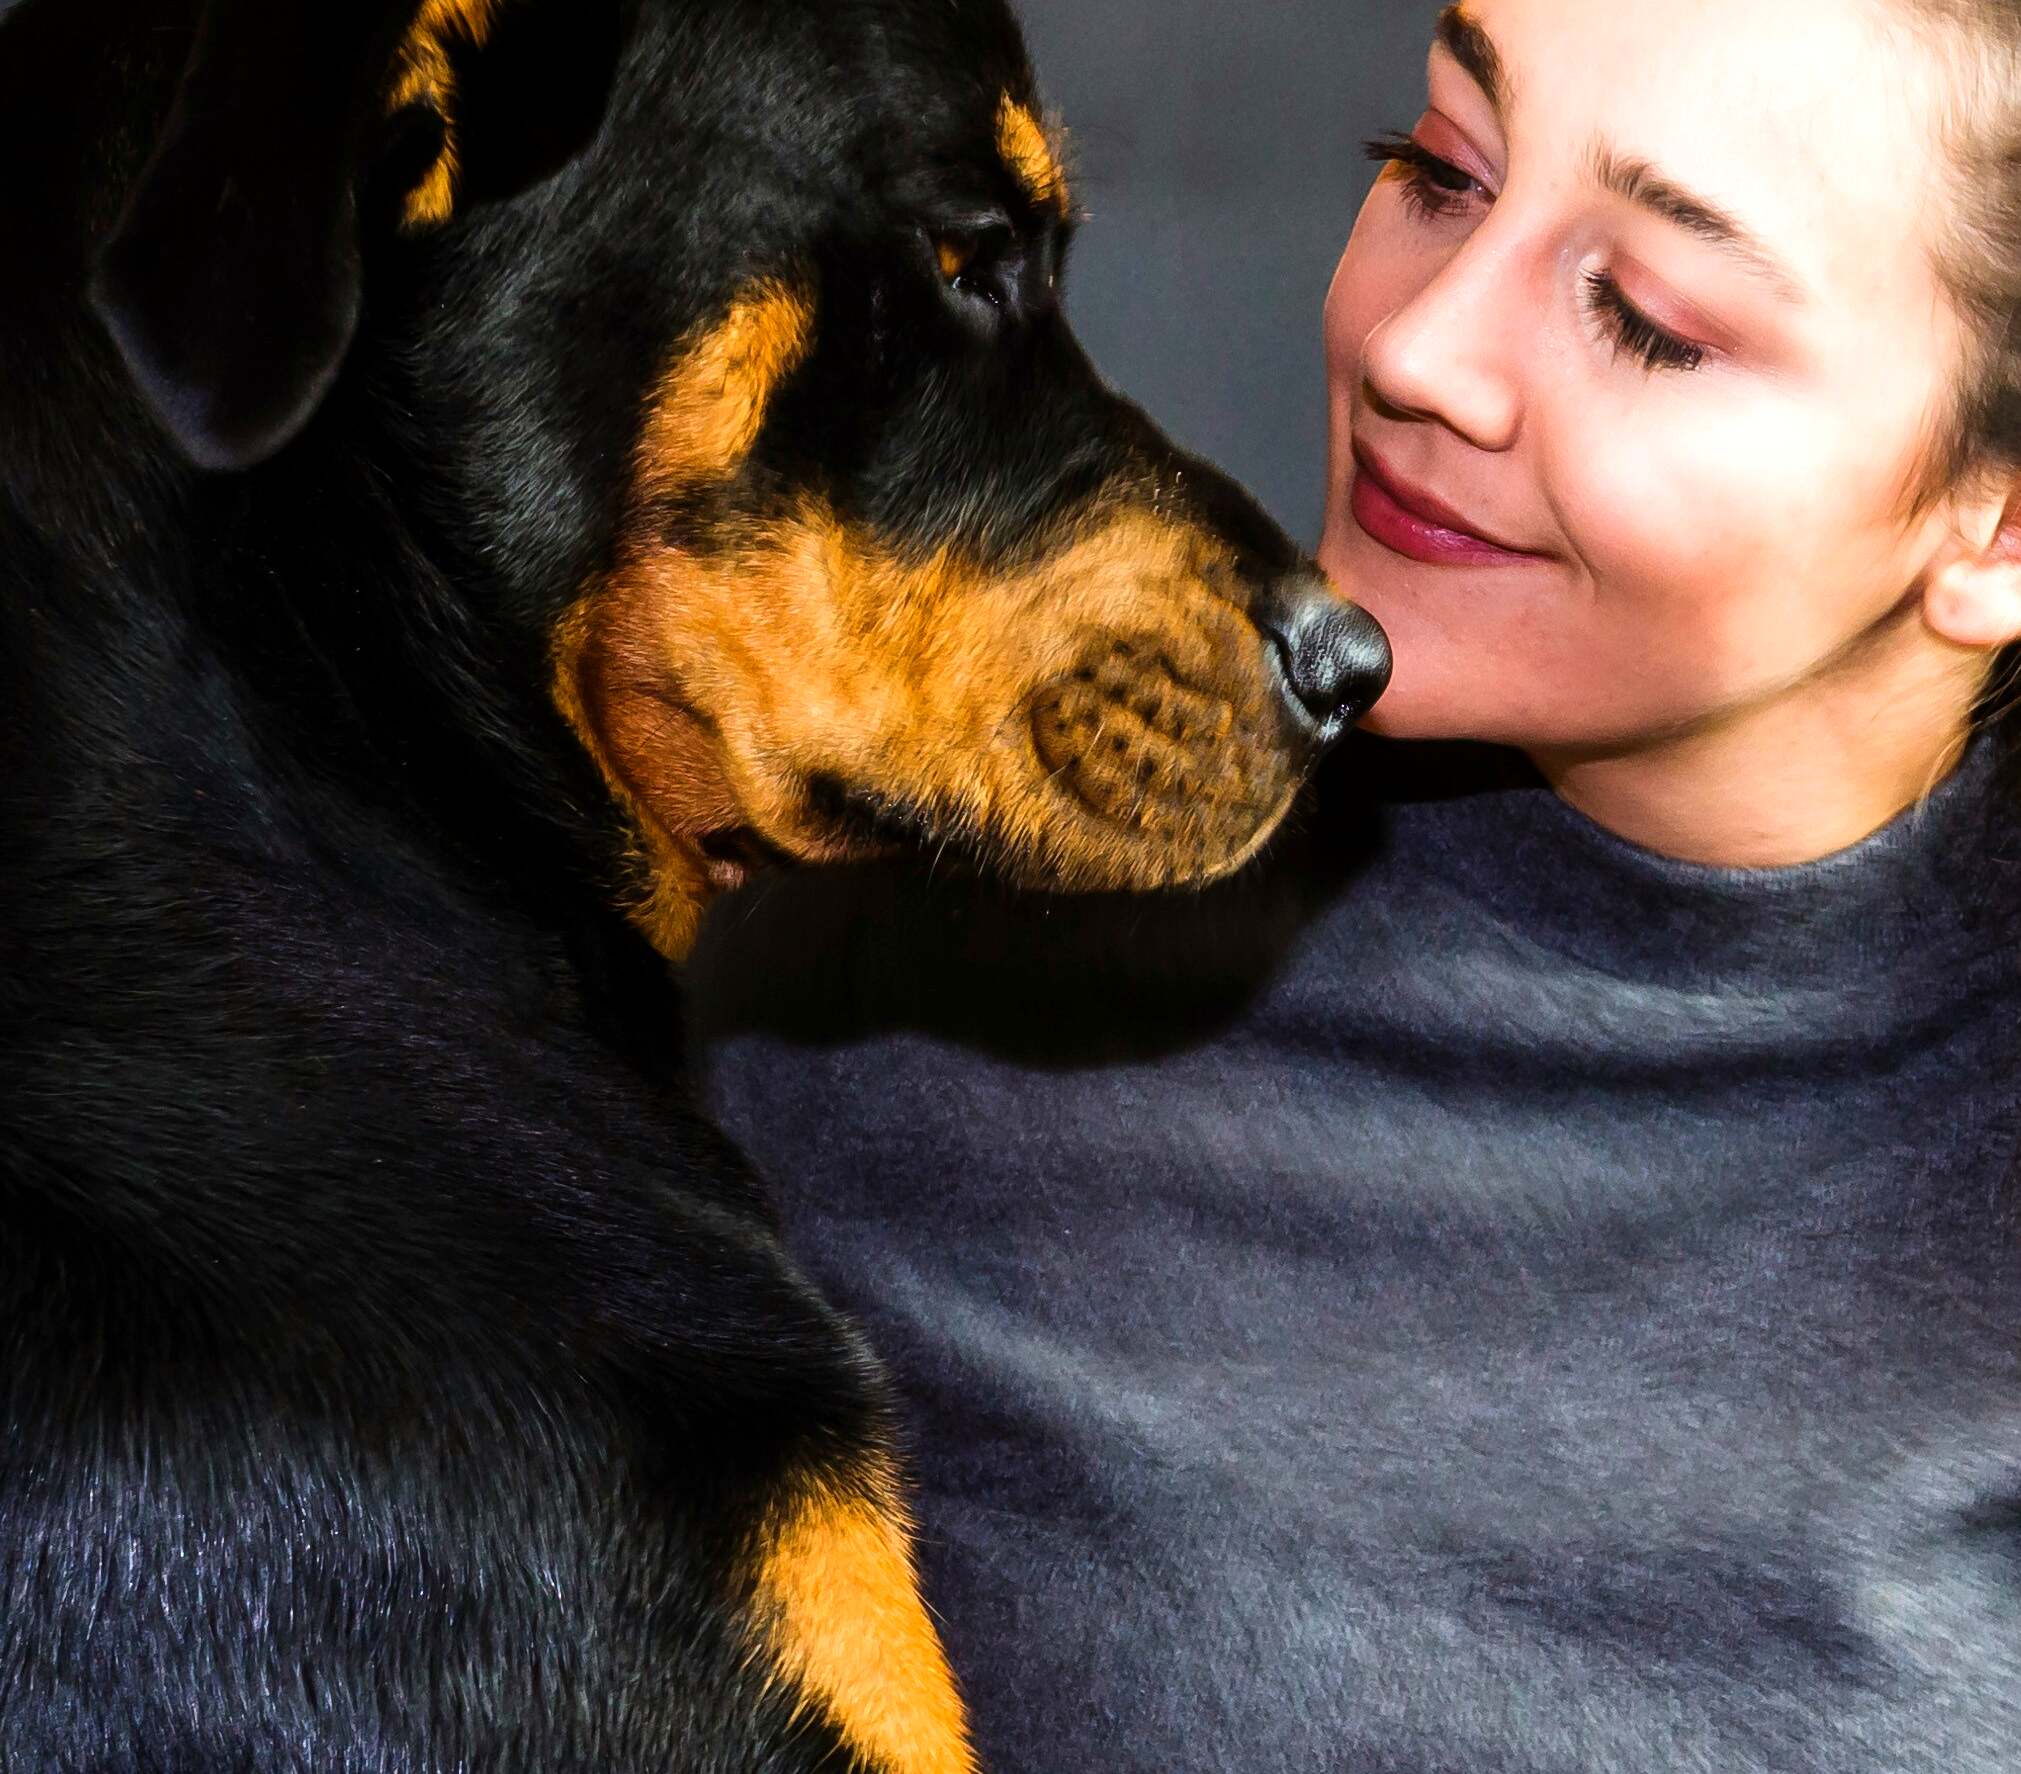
(1973, 598)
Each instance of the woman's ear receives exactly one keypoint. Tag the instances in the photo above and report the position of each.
(233, 281)
(1972, 595)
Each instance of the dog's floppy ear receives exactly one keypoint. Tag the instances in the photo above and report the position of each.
(232, 282)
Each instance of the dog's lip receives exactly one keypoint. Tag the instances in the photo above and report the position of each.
(733, 854)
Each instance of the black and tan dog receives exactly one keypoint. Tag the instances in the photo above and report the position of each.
(475, 476)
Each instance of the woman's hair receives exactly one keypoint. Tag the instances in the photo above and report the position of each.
(1978, 431)
(1979, 257)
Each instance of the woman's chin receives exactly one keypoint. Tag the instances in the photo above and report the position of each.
(1414, 708)
(1382, 722)
(1405, 722)
(1443, 687)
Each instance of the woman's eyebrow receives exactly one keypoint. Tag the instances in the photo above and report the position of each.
(1642, 185)
(1469, 44)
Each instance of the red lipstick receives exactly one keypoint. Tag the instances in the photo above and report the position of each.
(1413, 523)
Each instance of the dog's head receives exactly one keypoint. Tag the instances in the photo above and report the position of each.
(735, 331)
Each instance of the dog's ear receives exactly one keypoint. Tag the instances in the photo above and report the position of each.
(233, 281)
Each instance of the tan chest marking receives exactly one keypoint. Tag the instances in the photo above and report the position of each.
(842, 1617)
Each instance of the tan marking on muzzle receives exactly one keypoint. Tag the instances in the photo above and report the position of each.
(1099, 717)
(610, 681)
(841, 1616)
(1099, 714)
(1022, 141)
(611, 690)
(427, 76)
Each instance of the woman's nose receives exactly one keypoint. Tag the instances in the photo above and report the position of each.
(1450, 353)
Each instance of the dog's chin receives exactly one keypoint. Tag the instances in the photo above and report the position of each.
(1152, 851)
(1052, 836)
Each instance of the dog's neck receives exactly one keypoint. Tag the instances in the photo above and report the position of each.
(364, 662)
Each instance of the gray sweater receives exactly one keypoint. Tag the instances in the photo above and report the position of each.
(1472, 1296)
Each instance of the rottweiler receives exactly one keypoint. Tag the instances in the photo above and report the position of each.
(477, 477)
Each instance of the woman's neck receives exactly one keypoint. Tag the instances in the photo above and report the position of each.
(1795, 777)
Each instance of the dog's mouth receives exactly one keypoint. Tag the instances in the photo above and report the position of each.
(839, 823)
(815, 816)
(730, 857)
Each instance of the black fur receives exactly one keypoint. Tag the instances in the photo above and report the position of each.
(391, 1367)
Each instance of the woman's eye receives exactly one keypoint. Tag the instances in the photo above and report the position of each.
(1431, 186)
(1635, 331)
(1436, 187)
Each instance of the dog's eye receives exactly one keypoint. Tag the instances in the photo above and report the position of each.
(981, 265)
(955, 257)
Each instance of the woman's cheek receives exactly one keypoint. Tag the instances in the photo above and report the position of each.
(1343, 351)
(1732, 550)
(1386, 263)
(1686, 521)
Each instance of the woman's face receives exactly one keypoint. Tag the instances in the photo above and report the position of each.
(1665, 326)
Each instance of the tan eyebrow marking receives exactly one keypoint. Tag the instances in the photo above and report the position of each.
(1023, 143)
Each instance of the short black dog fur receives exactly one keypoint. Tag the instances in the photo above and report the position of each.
(476, 477)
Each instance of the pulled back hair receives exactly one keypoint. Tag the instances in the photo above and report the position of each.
(1979, 255)
(1978, 430)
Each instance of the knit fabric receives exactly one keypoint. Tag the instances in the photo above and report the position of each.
(1471, 1296)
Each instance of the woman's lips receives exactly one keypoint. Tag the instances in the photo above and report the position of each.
(1414, 524)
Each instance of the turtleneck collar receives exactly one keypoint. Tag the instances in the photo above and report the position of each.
(1937, 881)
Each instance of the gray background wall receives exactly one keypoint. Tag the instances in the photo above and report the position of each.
(1216, 145)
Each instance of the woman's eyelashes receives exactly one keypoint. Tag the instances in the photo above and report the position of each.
(1635, 331)
(1435, 187)
(1431, 186)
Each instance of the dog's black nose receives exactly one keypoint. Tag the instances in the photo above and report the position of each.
(1333, 655)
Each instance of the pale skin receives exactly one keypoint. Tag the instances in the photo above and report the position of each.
(1729, 639)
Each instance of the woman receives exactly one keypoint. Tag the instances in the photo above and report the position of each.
(1539, 1289)
(1747, 595)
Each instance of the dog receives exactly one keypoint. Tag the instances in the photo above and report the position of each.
(477, 478)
